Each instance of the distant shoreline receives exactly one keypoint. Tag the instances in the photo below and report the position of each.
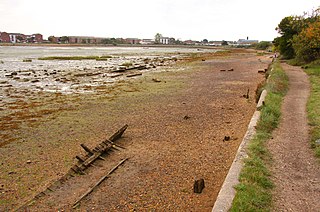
(109, 45)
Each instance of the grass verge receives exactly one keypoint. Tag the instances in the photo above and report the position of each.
(254, 189)
(313, 109)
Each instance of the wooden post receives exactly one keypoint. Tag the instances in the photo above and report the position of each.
(86, 149)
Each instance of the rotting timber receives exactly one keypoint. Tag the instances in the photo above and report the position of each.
(83, 163)
(96, 153)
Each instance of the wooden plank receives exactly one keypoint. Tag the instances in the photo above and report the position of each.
(134, 75)
(99, 182)
(86, 149)
(118, 134)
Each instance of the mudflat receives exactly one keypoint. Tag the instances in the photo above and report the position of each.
(177, 125)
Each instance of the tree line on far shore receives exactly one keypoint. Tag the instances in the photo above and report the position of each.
(300, 37)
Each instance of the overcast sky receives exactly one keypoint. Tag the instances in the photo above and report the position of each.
(183, 19)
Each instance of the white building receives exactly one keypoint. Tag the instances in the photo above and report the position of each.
(164, 40)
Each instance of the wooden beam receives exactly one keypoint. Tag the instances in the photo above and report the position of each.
(99, 182)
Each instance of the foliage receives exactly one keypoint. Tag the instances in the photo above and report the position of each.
(127, 64)
(296, 31)
(224, 43)
(113, 41)
(263, 45)
(254, 191)
(157, 38)
(64, 39)
(307, 43)
(51, 39)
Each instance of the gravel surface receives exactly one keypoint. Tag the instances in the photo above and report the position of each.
(296, 173)
(175, 135)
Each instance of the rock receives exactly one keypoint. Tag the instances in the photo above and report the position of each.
(29, 161)
(231, 69)
(198, 186)
(226, 138)
(156, 80)
(36, 80)
(186, 117)
(317, 142)
(222, 70)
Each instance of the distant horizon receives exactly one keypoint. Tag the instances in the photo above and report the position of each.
(184, 20)
(46, 38)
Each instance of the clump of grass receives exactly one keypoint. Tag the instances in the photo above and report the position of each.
(104, 57)
(27, 60)
(127, 64)
(254, 189)
(313, 108)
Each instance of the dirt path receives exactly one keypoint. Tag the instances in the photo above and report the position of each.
(295, 171)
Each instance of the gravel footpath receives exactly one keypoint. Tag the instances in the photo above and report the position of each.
(296, 173)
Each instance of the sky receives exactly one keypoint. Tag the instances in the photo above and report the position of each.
(182, 19)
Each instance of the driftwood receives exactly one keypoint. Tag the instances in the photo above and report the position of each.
(198, 186)
(133, 75)
(124, 69)
(117, 75)
(99, 182)
(75, 169)
(156, 80)
(94, 154)
(246, 95)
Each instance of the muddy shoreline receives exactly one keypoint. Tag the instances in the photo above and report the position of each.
(166, 151)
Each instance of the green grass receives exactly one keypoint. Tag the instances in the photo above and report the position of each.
(254, 190)
(127, 64)
(313, 106)
(105, 57)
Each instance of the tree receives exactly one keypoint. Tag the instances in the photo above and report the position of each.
(263, 45)
(51, 39)
(205, 41)
(224, 43)
(307, 43)
(19, 38)
(157, 38)
(290, 27)
(64, 39)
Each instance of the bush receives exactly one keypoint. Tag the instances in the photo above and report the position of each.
(307, 43)
(263, 45)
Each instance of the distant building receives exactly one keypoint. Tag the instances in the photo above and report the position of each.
(4, 37)
(132, 40)
(190, 42)
(246, 42)
(37, 38)
(20, 38)
(215, 43)
(85, 39)
(147, 41)
(164, 40)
